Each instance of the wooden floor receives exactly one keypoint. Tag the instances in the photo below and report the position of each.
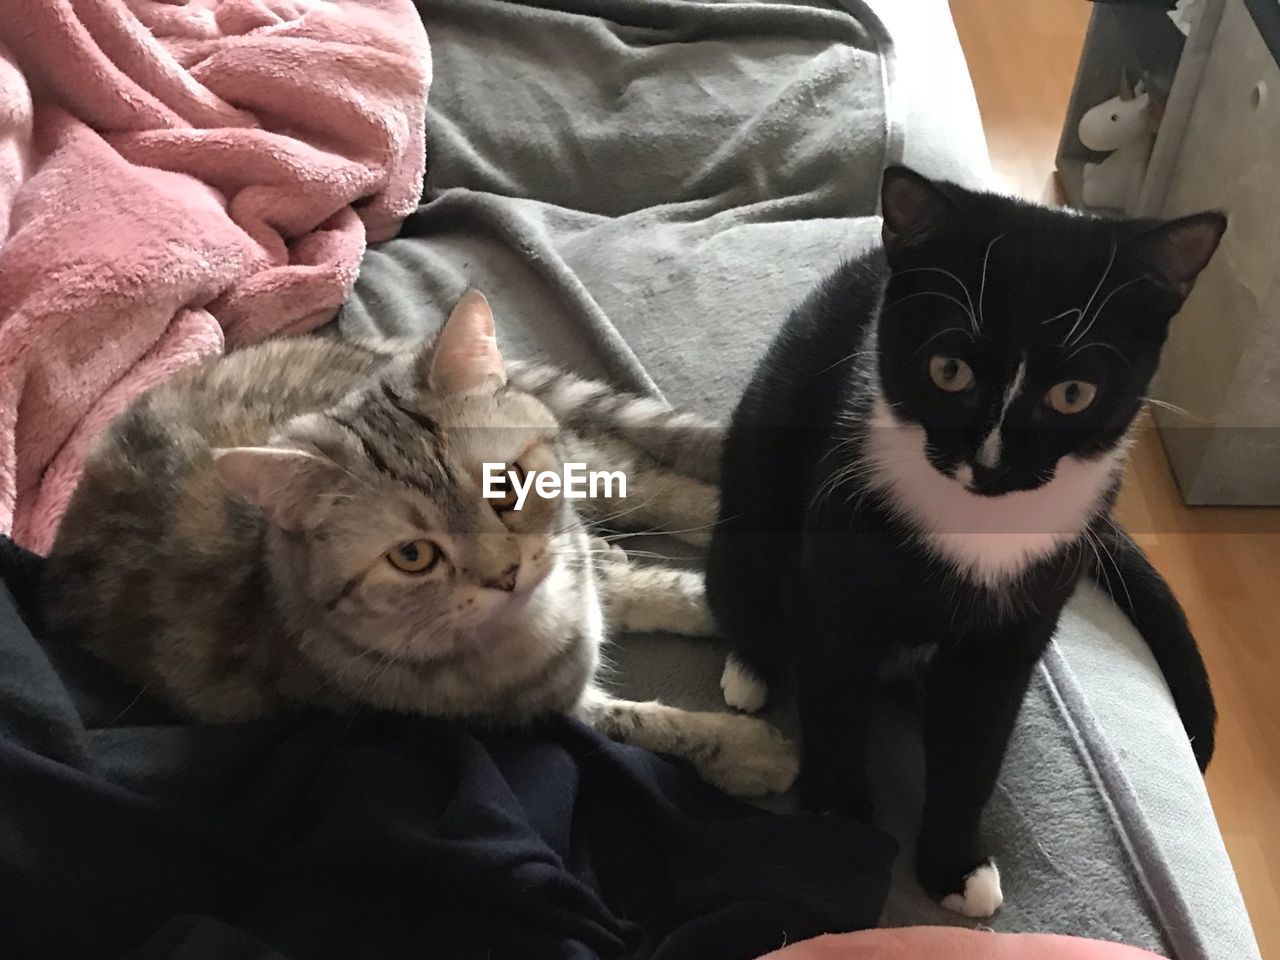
(1224, 564)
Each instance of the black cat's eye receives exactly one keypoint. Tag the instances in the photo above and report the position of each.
(506, 489)
(1070, 396)
(415, 557)
(950, 373)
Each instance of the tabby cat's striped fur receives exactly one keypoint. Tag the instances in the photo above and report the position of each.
(228, 546)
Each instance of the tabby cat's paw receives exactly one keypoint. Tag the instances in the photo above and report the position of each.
(743, 690)
(749, 758)
(980, 894)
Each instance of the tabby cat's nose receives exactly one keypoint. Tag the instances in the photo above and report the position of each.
(507, 581)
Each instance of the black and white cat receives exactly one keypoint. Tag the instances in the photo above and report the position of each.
(922, 467)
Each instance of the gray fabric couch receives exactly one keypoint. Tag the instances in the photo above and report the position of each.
(642, 188)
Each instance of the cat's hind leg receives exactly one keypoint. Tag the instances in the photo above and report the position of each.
(670, 459)
(649, 598)
(743, 756)
(658, 499)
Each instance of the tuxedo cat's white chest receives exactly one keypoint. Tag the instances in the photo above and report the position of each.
(989, 540)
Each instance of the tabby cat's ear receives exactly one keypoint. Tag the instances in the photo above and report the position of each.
(465, 357)
(914, 208)
(1178, 250)
(286, 484)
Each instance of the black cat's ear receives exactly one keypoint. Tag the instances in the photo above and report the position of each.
(1178, 250)
(914, 208)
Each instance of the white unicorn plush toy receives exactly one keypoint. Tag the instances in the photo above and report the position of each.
(1125, 125)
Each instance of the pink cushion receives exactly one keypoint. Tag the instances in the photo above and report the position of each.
(955, 943)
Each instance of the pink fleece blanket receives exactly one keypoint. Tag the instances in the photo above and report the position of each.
(955, 943)
(177, 176)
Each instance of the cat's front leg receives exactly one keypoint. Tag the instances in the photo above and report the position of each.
(835, 679)
(839, 647)
(973, 690)
(742, 756)
(650, 598)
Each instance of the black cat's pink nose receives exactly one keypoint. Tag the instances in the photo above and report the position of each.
(507, 581)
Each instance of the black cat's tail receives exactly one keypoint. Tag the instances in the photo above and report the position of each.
(1124, 571)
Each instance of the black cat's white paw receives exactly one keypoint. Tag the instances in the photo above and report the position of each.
(743, 690)
(980, 895)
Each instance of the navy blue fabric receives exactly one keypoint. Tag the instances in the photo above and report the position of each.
(125, 831)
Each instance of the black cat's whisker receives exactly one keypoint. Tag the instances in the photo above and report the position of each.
(1058, 316)
(1101, 345)
(853, 473)
(841, 446)
(852, 418)
(1174, 408)
(839, 476)
(946, 273)
(1114, 564)
(855, 354)
(934, 293)
(1092, 541)
(982, 291)
(939, 334)
(1072, 341)
(1088, 542)
(1074, 575)
(827, 488)
(1093, 296)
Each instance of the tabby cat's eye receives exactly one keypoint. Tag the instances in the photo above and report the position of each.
(416, 556)
(1070, 396)
(950, 374)
(508, 490)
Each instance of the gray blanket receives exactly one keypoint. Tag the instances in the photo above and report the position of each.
(642, 188)
(609, 174)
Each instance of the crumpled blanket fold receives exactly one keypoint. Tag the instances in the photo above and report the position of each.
(177, 178)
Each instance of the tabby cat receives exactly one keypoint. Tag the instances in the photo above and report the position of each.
(919, 472)
(303, 523)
